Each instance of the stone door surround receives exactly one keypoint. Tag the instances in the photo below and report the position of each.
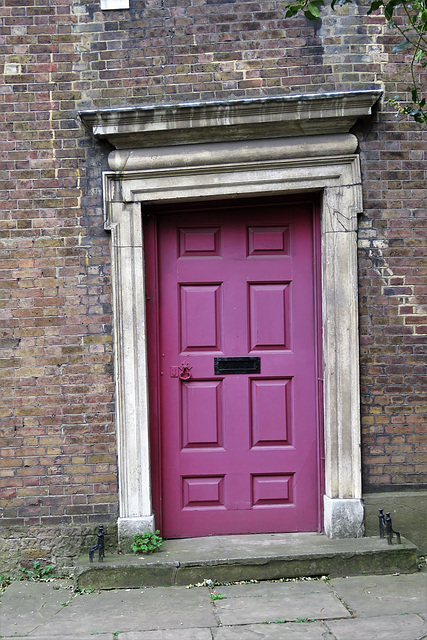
(260, 146)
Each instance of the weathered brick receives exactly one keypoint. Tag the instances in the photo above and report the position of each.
(56, 360)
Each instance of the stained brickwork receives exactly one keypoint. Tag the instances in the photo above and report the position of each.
(58, 460)
(393, 290)
(58, 463)
(393, 310)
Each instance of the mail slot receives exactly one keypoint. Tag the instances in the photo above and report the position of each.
(226, 366)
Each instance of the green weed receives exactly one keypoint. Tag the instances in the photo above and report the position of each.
(147, 542)
(81, 591)
(5, 581)
(37, 573)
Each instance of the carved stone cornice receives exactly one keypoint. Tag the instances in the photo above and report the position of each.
(244, 119)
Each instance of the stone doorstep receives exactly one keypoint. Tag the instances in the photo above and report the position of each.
(249, 557)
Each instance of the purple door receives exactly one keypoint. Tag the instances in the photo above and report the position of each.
(238, 376)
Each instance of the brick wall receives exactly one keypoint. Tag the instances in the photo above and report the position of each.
(58, 463)
(393, 288)
(393, 309)
(58, 460)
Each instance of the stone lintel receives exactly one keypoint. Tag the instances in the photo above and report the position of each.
(244, 119)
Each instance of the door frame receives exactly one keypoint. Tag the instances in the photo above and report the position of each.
(150, 216)
(228, 149)
(337, 179)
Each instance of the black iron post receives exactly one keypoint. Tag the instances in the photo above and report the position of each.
(381, 522)
(99, 545)
(389, 530)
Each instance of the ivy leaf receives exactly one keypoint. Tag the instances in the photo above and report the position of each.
(390, 7)
(309, 15)
(291, 11)
(401, 46)
(313, 9)
(374, 6)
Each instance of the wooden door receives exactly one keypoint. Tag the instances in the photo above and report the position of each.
(237, 369)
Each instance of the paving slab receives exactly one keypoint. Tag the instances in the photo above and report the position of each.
(58, 636)
(288, 631)
(401, 627)
(162, 634)
(173, 634)
(368, 596)
(269, 602)
(374, 607)
(28, 605)
(133, 610)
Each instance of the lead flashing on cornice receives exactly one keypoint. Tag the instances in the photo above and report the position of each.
(243, 119)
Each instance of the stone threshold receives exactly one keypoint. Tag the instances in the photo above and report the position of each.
(248, 557)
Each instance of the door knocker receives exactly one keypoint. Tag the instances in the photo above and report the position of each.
(185, 372)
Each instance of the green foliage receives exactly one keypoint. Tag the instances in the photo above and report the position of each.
(216, 596)
(310, 8)
(5, 581)
(284, 620)
(412, 27)
(81, 591)
(147, 542)
(37, 573)
(305, 620)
